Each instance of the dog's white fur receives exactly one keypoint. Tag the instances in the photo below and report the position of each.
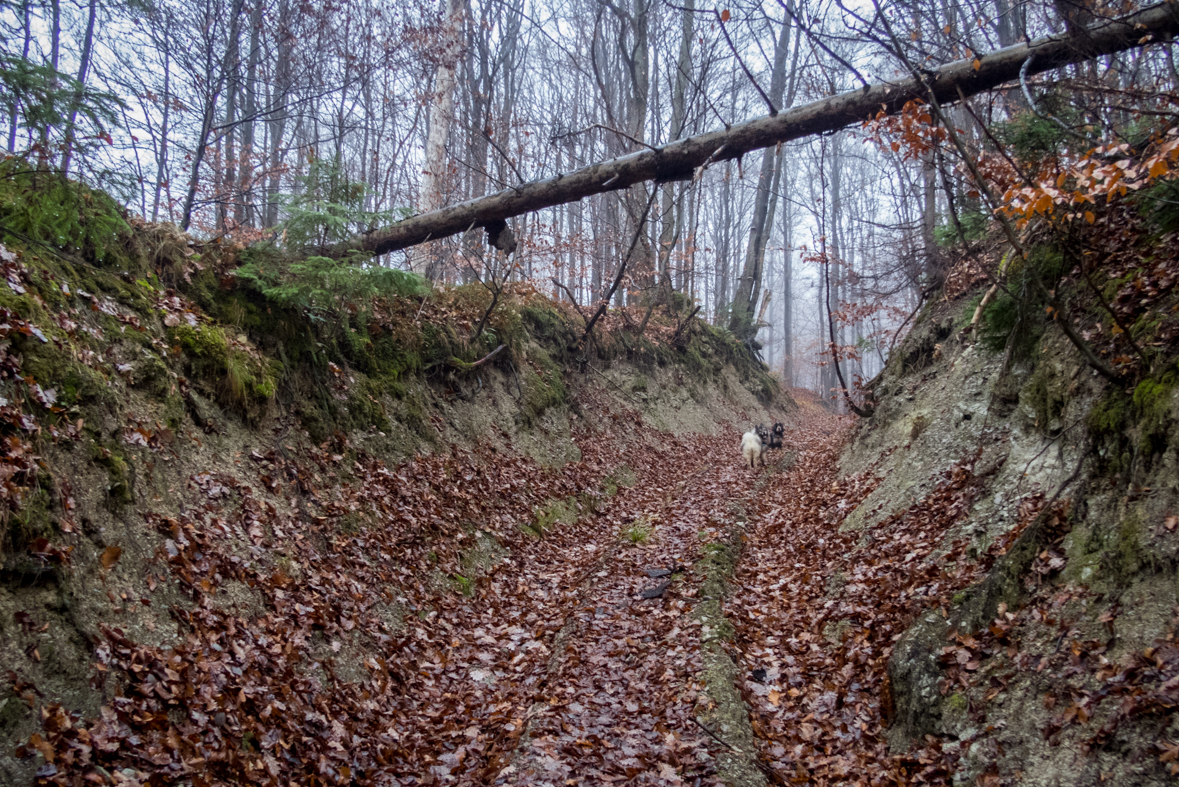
(751, 447)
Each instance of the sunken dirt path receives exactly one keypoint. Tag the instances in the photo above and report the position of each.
(624, 677)
(565, 663)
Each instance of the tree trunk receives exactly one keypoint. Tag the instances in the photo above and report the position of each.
(243, 212)
(216, 76)
(749, 285)
(26, 10)
(638, 64)
(671, 228)
(83, 72)
(787, 296)
(233, 83)
(437, 169)
(680, 159)
(276, 115)
(162, 157)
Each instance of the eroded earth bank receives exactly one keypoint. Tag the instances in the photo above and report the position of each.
(244, 546)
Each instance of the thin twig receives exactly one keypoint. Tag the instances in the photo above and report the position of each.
(721, 23)
(622, 265)
(572, 299)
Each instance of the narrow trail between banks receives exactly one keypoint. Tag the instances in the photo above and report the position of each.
(625, 680)
(818, 608)
(619, 645)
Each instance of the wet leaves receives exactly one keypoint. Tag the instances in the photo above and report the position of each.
(817, 611)
(355, 665)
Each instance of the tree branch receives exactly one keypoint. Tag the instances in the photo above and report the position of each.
(678, 159)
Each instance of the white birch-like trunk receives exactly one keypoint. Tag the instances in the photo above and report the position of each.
(434, 176)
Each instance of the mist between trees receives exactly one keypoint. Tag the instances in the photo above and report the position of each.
(237, 120)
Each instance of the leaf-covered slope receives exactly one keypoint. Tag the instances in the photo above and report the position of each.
(1057, 657)
(248, 538)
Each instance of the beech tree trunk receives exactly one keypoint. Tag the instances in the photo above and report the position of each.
(680, 159)
(749, 285)
(671, 215)
(434, 176)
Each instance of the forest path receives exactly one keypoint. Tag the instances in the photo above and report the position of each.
(624, 679)
(818, 605)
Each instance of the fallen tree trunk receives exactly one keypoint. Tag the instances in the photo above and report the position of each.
(679, 160)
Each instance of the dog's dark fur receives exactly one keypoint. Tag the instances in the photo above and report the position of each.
(763, 433)
(776, 436)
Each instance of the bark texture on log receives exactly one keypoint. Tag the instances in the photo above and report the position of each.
(678, 160)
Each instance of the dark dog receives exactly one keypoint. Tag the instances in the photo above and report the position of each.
(776, 436)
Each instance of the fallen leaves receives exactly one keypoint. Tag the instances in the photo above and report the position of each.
(355, 666)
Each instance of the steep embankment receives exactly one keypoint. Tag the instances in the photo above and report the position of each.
(1020, 509)
(248, 541)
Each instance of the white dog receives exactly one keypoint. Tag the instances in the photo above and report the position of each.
(751, 447)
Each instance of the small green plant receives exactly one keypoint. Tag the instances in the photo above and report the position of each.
(328, 208)
(464, 585)
(639, 531)
(974, 226)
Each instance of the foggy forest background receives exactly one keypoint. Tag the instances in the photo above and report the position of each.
(225, 117)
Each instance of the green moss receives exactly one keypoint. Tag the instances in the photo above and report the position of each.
(1109, 416)
(75, 383)
(62, 214)
(413, 416)
(120, 486)
(463, 585)
(174, 411)
(1152, 400)
(204, 343)
(364, 405)
(31, 520)
(639, 385)
(542, 389)
(1125, 556)
(239, 380)
(549, 326)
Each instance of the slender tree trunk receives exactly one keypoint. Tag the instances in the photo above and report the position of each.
(276, 110)
(83, 72)
(724, 248)
(749, 285)
(54, 57)
(638, 62)
(162, 154)
(27, 16)
(226, 194)
(788, 296)
(243, 212)
(216, 74)
(670, 229)
(432, 191)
